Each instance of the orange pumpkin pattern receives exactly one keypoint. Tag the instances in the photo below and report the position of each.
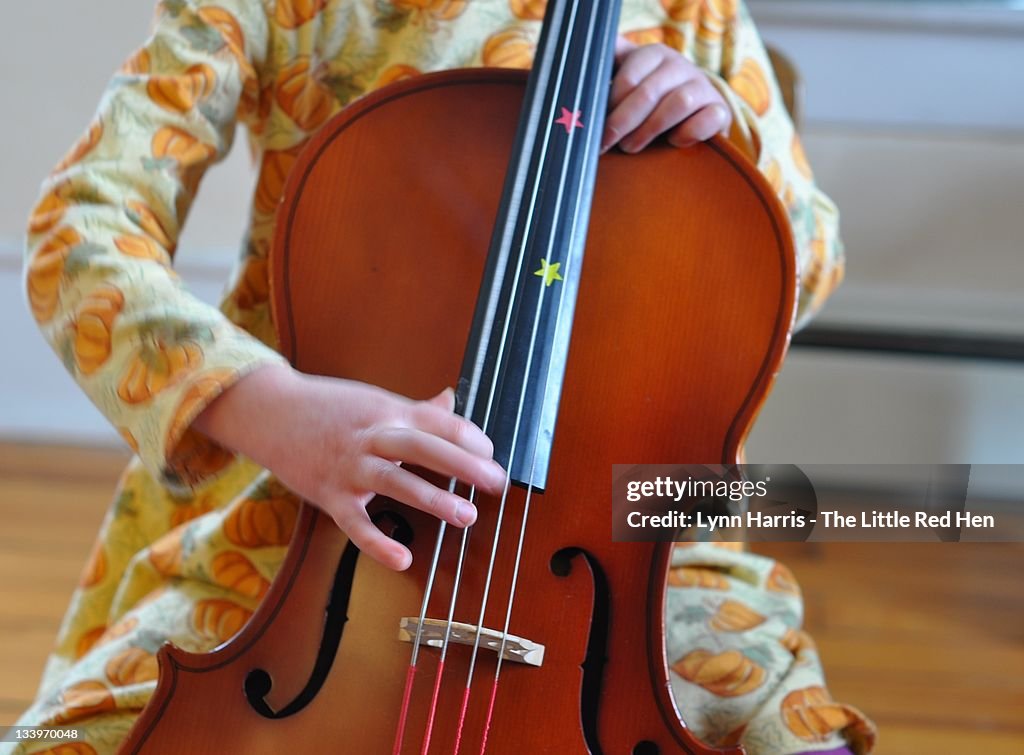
(94, 327)
(179, 145)
(254, 288)
(49, 209)
(191, 454)
(796, 641)
(45, 270)
(166, 553)
(716, 18)
(429, 11)
(120, 629)
(234, 571)
(218, 619)
(666, 35)
(681, 11)
(192, 508)
(181, 93)
(155, 366)
(812, 715)
(194, 457)
(273, 174)
(254, 105)
(733, 616)
(131, 666)
(187, 151)
(399, 72)
(82, 700)
(511, 48)
(689, 576)
(198, 395)
(532, 10)
(231, 32)
(142, 247)
(782, 580)
(727, 674)
(264, 520)
(88, 638)
(189, 564)
(291, 14)
(751, 84)
(302, 95)
(137, 63)
(146, 219)
(129, 438)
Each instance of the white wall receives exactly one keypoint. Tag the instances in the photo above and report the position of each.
(912, 126)
(915, 126)
(54, 70)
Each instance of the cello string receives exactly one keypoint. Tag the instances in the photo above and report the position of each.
(429, 728)
(471, 399)
(530, 352)
(520, 262)
(431, 575)
(410, 676)
(588, 143)
(525, 242)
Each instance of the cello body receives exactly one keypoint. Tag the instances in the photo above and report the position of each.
(685, 303)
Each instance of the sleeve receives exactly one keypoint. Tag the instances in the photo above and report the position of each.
(726, 44)
(98, 274)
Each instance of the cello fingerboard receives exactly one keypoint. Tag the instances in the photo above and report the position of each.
(511, 377)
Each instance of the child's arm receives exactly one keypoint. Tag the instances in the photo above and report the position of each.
(335, 443)
(98, 259)
(153, 358)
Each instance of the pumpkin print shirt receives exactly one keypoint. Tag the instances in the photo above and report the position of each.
(195, 534)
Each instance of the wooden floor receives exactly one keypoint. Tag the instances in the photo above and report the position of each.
(928, 639)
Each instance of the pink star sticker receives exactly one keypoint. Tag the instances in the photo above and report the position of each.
(570, 120)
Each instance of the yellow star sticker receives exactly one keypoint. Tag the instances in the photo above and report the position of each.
(549, 272)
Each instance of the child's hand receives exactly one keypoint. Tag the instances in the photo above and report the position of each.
(656, 90)
(337, 443)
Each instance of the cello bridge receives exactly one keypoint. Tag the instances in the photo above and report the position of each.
(517, 649)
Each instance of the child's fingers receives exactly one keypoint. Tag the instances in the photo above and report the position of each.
(633, 70)
(712, 119)
(674, 108)
(636, 109)
(356, 523)
(429, 417)
(657, 91)
(431, 452)
(386, 478)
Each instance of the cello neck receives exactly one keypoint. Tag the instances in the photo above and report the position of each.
(511, 377)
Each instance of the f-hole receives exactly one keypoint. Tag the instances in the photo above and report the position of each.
(597, 644)
(258, 682)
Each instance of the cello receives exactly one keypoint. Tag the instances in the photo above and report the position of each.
(532, 631)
